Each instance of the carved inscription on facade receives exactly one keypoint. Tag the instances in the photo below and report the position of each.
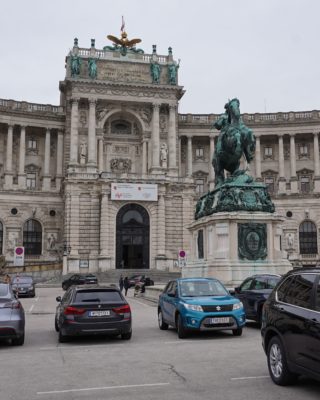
(126, 73)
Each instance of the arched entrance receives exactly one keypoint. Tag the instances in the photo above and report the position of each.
(132, 242)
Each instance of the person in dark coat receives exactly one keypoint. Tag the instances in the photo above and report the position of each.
(126, 285)
(121, 283)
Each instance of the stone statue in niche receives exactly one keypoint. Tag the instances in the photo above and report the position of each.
(52, 241)
(164, 155)
(83, 152)
(290, 240)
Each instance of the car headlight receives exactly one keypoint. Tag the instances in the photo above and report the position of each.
(237, 306)
(193, 307)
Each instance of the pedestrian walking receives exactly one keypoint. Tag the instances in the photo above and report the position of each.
(126, 285)
(121, 283)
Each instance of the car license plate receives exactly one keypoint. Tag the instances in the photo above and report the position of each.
(221, 320)
(98, 313)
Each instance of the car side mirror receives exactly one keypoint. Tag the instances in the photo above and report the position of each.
(232, 291)
(58, 299)
(237, 289)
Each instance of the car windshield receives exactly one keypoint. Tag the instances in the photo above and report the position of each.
(272, 282)
(98, 296)
(22, 280)
(202, 288)
(3, 289)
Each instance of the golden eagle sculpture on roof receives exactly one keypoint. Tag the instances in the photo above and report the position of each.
(123, 44)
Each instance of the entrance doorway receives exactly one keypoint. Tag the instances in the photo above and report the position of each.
(132, 242)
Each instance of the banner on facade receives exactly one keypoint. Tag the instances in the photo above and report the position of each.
(132, 191)
(18, 260)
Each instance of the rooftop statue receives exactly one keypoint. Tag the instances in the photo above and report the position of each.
(123, 44)
(235, 140)
(238, 192)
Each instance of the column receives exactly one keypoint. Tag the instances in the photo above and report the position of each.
(172, 140)
(22, 157)
(92, 152)
(144, 157)
(293, 179)
(155, 139)
(161, 227)
(74, 139)
(46, 182)
(211, 170)
(59, 160)
(258, 158)
(316, 177)
(189, 157)
(100, 155)
(74, 235)
(104, 224)
(282, 179)
(8, 172)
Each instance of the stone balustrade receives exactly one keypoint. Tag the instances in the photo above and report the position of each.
(30, 107)
(253, 118)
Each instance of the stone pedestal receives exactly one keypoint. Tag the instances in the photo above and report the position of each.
(231, 246)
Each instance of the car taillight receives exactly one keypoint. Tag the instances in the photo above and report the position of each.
(14, 305)
(74, 311)
(125, 311)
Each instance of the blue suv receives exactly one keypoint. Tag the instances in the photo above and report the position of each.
(202, 304)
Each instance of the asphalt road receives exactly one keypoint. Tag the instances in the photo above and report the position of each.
(153, 365)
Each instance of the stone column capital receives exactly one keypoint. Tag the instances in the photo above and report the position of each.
(75, 100)
(156, 106)
(92, 101)
(172, 107)
(292, 135)
(315, 133)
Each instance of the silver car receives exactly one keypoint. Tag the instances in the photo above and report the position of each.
(12, 319)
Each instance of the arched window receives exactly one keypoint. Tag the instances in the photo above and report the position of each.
(1, 237)
(32, 237)
(308, 238)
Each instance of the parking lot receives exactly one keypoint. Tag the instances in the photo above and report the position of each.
(154, 364)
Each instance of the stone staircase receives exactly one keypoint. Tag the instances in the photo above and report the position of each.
(159, 277)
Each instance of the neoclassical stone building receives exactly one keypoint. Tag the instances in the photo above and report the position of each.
(110, 177)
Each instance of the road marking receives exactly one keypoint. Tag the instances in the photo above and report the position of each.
(104, 388)
(36, 299)
(31, 308)
(250, 377)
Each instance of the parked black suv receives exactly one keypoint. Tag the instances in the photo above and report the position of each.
(291, 327)
(92, 310)
(78, 279)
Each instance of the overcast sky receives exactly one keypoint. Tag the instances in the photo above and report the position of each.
(265, 52)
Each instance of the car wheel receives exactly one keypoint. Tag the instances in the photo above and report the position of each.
(277, 364)
(237, 332)
(126, 336)
(18, 341)
(182, 332)
(64, 286)
(63, 338)
(56, 327)
(162, 325)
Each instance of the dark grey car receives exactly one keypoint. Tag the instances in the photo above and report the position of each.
(12, 319)
(93, 310)
(24, 286)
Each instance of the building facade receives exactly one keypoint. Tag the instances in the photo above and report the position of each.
(110, 178)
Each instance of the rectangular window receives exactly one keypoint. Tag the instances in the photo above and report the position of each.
(305, 184)
(32, 144)
(199, 186)
(304, 150)
(268, 152)
(199, 153)
(269, 181)
(31, 180)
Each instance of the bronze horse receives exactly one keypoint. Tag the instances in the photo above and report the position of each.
(235, 140)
